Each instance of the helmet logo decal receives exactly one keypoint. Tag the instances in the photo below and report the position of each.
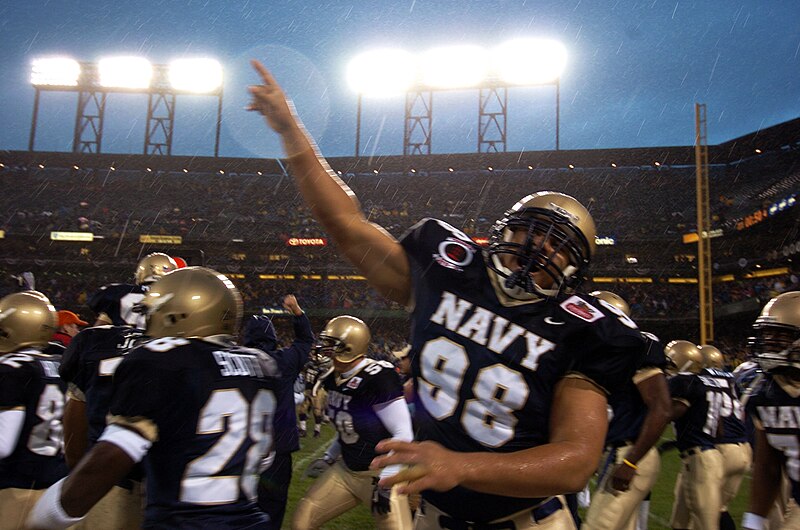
(454, 254)
(563, 212)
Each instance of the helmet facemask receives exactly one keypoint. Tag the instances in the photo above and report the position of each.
(541, 226)
(776, 344)
(776, 347)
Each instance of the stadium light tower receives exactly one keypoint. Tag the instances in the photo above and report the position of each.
(134, 75)
(381, 73)
(521, 62)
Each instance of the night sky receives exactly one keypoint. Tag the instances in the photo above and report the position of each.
(634, 72)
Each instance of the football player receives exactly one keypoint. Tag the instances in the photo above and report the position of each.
(775, 407)
(511, 369)
(366, 405)
(196, 404)
(88, 368)
(315, 394)
(31, 406)
(732, 440)
(640, 412)
(259, 332)
(696, 402)
(115, 303)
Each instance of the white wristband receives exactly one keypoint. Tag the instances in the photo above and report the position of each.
(751, 521)
(48, 513)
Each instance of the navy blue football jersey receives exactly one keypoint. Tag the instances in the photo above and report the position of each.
(351, 408)
(117, 300)
(208, 408)
(704, 394)
(731, 411)
(29, 381)
(628, 408)
(484, 372)
(779, 415)
(89, 364)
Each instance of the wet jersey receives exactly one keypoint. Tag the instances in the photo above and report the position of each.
(704, 394)
(29, 382)
(88, 366)
(731, 411)
(628, 408)
(351, 408)
(208, 408)
(485, 373)
(117, 300)
(778, 413)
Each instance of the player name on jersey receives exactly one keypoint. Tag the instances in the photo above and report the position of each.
(779, 417)
(232, 364)
(488, 329)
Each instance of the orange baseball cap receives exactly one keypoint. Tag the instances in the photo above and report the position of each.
(68, 317)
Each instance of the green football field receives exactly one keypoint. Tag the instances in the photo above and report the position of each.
(359, 518)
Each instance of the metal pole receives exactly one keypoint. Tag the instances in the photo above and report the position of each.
(358, 126)
(558, 113)
(35, 117)
(219, 123)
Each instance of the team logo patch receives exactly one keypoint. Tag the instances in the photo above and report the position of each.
(354, 382)
(581, 309)
(454, 254)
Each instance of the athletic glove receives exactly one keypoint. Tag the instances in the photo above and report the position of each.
(380, 499)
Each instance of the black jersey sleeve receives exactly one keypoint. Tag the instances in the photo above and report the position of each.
(603, 346)
(71, 369)
(141, 395)
(680, 387)
(422, 240)
(384, 384)
(13, 382)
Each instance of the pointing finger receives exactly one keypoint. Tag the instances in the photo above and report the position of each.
(264, 73)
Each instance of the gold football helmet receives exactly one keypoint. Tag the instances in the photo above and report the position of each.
(564, 223)
(776, 344)
(152, 267)
(613, 300)
(344, 339)
(712, 357)
(27, 318)
(192, 302)
(684, 356)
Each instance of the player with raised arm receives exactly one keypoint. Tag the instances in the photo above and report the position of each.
(259, 332)
(31, 406)
(511, 368)
(196, 404)
(366, 405)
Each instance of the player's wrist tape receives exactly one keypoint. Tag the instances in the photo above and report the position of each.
(630, 464)
(48, 512)
(752, 521)
(134, 445)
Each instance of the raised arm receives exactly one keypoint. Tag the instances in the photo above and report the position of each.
(370, 248)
